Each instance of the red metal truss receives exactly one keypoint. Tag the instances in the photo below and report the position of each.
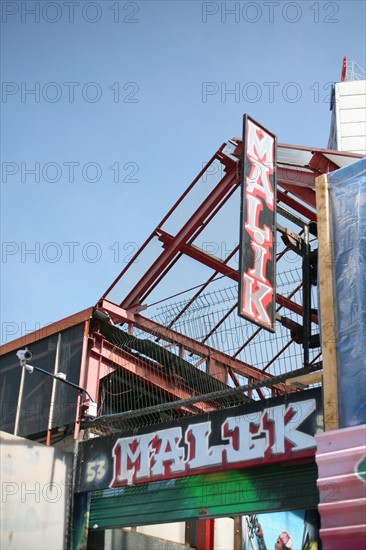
(189, 344)
(322, 164)
(295, 205)
(305, 194)
(297, 177)
(192, 226)
(179, 254)
(297, 190)
(111, 358)
(298, 181)
(297, 170)
(217, 156)
(219, 266)
(241, 367)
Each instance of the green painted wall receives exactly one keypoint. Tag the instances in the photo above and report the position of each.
(234, 492)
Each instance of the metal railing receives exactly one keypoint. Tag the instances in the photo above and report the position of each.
(354, 71)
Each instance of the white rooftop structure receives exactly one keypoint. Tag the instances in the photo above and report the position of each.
(348, 105)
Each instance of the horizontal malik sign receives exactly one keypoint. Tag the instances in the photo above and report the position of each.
(257, 268)
(261, 432)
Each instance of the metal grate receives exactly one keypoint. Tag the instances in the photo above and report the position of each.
(157, 380)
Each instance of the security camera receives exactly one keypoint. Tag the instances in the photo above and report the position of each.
(24, 355)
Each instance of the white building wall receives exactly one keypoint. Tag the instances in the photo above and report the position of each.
(224, 534)
(35, 495)
(175, 532)
(348, 129)
(169, 531)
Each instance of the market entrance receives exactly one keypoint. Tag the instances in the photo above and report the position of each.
(251, 459)
(226, 493)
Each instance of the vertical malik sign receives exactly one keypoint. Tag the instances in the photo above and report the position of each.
(257, 268)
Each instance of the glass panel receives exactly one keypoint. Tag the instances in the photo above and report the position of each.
(37, 390)
(69, 364)
(10, 373)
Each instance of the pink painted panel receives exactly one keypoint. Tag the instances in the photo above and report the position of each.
(342, 488)
(344, 538)
(344, 512)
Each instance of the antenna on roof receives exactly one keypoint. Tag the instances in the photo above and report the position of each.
(352, 71)
(344, 69)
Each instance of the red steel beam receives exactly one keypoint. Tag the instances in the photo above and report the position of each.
(202, 288)
(116, 357)
(221, 267)
(292, 203)
(192, 225)
(178, 256)
(295, 176)
(312, 150)
(205, 534)
(198, 254)
(202, 349)
(189, 344)
(322, 164)
(294, 307)
(305, 194)
(175, 205)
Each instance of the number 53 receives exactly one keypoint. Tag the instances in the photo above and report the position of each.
(95, 470)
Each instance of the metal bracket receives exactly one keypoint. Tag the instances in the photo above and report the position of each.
(292, 240)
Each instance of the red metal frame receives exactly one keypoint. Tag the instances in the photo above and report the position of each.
(296, 190)
(175, 205)
(205, 534)
(189, 344)
(299, 181)
(109, 358)
(187, 231)
(220, 267)
(344, 69)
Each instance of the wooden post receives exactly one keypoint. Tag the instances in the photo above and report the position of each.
(238, 533)
(327, 307)
(304, 380)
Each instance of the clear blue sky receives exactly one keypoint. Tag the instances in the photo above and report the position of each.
(143, 87)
